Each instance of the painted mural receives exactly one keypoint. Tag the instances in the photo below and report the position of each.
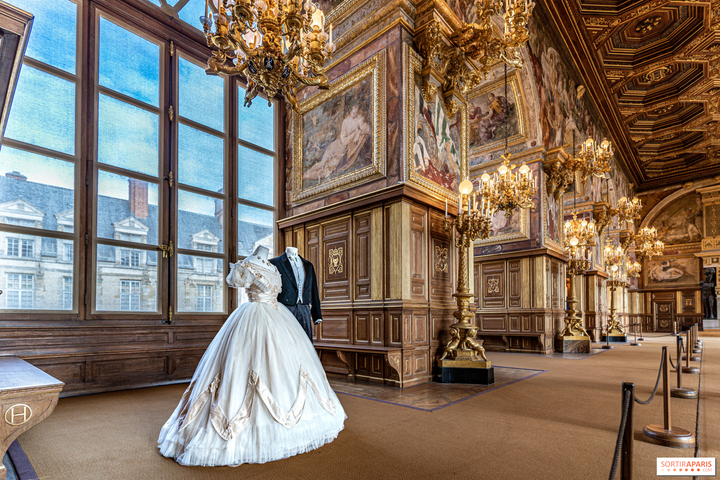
(561, 111)
(553, 219)
(463, 9)
(672, 271)
(681, 221)
(436, 150)
(338, 135)
(492, 115)
(327, 5)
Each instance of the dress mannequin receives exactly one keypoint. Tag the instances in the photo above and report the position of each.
(299, 288)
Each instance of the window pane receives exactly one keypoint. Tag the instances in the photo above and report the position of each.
(53, 33)
(36, 191)
(192, 12)
(200, 159)
(256, 176)
(128, 137)
(200, 284)
(255, 227)
(126, 287)
(200, 222)
(32, 271)
(43, 111)
(256, 124)
(201, 96)
(127, 209)
(128, 63)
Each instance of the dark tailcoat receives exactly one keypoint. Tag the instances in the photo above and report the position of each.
(289, 294)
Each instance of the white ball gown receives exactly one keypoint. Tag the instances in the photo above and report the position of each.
(259, 392)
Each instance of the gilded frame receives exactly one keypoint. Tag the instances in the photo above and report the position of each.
(514, 86)
(375, 68)
(523, 234)
(546, 215)
(673, 284)
(413, 65)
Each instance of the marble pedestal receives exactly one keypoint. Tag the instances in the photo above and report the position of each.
(710, 324)
(572, 344)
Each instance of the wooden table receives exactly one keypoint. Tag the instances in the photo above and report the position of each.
(27, 397)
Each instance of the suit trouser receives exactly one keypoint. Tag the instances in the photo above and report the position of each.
(302, 313)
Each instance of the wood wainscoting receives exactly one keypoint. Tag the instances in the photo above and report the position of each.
(519, 302)
(385, 274)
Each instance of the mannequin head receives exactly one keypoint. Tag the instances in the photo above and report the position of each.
(291, 252)
(260, 253)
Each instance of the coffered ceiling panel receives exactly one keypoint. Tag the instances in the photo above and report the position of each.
(653, 68)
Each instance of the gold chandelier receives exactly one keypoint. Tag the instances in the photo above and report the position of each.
(274, 44)
(647, 243)
(508, 189)
(626, 211)
(592, 160)
(462, 64)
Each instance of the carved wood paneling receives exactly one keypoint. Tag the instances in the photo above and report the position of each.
(335, 328)
(362, 328)
(312, 254)
(525, 324)
(335, 249)
(377, 328)
(363, 256)
(493, 323)
(515, 278)
(418, 253)
(420, 328)
(441, 260)
(493, 284)
(514, 323)
(394, 326)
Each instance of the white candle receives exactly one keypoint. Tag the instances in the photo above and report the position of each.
(446, 208)
(330, 34)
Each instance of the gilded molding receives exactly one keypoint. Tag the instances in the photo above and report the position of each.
(413, 64)
(374, 67)
(515, 86)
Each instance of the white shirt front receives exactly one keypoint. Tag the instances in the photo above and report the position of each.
(299, 271)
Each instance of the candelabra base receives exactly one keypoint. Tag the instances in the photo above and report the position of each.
(572, 344)
(691, 370)
(615, 338)
(675, 437)
(476, 375)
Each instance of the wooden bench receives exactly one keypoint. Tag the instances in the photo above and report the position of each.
(27, 397)
(393, 356)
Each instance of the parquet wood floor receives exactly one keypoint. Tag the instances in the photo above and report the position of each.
(429, 396)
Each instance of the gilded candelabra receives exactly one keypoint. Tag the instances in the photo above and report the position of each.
(274, 44)
(469, 224)
(507, 190)
(579, 238)
(447, 66)
(647, 243)
(614, 260)
(626, 211)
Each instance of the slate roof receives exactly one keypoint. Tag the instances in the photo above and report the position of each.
(52, 200)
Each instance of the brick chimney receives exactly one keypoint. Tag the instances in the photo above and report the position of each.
(16, 176)
(220, 210)
(138, 198)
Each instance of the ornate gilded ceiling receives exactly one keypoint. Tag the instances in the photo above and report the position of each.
(653, 69)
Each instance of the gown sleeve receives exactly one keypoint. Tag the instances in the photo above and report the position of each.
(239, 276)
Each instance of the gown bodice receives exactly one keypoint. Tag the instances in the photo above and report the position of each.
(261, 280)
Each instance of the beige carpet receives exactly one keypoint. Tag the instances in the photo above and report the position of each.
(558, 425)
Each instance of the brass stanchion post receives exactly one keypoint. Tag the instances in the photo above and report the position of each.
(687, 368)
(626, 452)
(635, 342)
(681, 392)
(641, 338)
(690, 349)
(666, 434)
(697, 348)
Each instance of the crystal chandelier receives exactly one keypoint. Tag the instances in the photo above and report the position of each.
(274, 44)
(457, 67)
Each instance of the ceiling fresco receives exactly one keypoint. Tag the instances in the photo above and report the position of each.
(653, 69)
